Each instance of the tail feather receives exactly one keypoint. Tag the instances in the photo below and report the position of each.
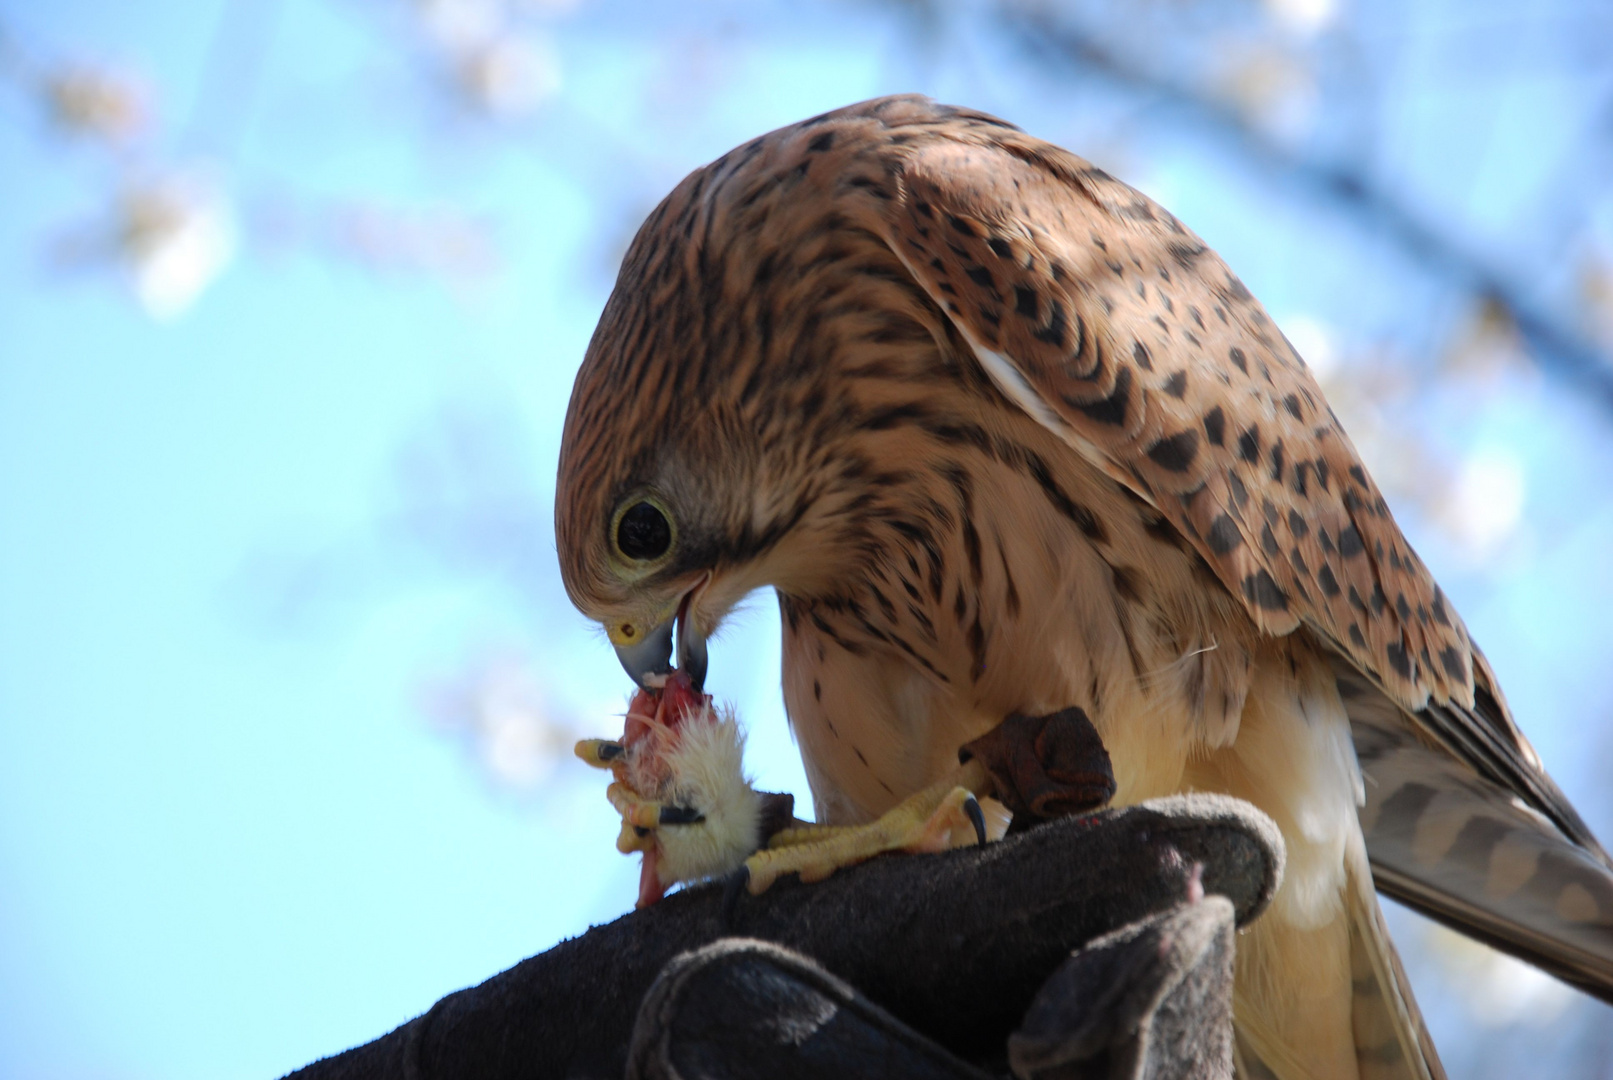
(1258, 1054)
(1468, 852)
(1391, 1040)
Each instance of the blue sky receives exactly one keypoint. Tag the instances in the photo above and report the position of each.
(229, 843)
(234, 544)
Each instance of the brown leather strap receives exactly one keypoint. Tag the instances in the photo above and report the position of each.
(1045, 766)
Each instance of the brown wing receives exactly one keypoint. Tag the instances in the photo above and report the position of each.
(1119, 329)
(1122, 331)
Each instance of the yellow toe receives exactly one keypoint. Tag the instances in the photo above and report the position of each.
(932, 820)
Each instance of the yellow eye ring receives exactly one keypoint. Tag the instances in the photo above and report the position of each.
(642, 533)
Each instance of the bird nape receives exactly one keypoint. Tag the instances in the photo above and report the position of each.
(1005, 437)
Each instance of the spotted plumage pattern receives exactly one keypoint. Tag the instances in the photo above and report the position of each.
(1006, 437)
(1147, 353)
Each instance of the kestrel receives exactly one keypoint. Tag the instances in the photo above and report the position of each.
(1007, 438)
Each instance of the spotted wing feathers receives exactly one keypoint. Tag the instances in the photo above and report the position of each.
(1151, 357)
(1111, 324)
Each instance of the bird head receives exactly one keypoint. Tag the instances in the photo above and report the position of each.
(729, 422)
(689, 472)
(656, 541)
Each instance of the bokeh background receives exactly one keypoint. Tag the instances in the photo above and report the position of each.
(291, 297)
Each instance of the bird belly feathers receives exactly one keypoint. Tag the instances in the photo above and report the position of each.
(1186, 694)
(1030, 613)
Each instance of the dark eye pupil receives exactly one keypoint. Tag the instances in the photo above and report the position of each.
(643, 532)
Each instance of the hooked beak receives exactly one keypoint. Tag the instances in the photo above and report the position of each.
(648, 661)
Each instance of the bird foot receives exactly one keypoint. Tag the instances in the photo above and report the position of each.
(1039, 767)
(944, 815)
(601, 753)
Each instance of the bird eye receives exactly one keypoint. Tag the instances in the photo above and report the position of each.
(643, 532)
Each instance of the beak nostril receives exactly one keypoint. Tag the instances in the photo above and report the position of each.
(647, 654)
(644, 655)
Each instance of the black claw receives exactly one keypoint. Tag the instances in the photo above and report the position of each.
(971, 806)
(681, 815)
(733, 888)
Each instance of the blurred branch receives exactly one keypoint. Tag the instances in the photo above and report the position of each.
(1556, 343)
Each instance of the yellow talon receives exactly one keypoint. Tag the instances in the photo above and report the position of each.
(931, 820)
(944, 827)
(631, 839)
(600, 753)
(635, 810)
